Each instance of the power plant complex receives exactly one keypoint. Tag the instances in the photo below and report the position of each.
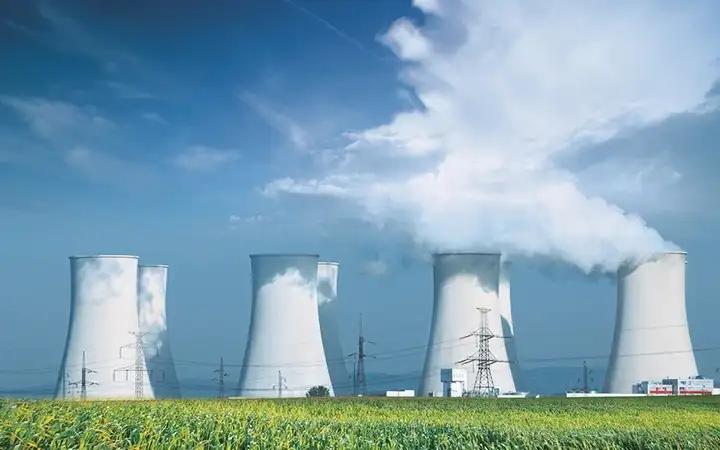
(117, 344)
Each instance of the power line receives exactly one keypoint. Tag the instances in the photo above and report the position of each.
(360, 383)
(280, 384)
(221, 379)
(482, 358)
(139, 366)
(84, 371)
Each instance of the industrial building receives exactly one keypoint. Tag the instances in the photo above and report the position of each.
(403, 393)
(327, 279)
(152, 289)
(463, 284)
(99, 359)
(454, 382)
(651, 340)
(284, 355)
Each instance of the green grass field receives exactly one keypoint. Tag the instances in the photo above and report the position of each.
(619, 423)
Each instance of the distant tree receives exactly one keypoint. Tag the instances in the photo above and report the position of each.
(318, 391)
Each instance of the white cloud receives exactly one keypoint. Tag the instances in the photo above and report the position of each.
(235, 222)
(510, 91)
(203, 158)
(54, 120)
(284, 124)
(105, 168)
(376, 268)
(154, 117)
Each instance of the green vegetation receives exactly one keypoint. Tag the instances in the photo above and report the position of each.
(367, 423)
(318, 391)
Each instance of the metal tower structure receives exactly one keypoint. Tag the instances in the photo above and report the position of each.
(139, 366)
(84, 383)
(280, 384)
(483, 358)
(360, 383)
(586, 378)
(221, 379)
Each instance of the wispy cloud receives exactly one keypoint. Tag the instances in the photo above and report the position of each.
(71, 36)
(54, 120)
(154, 117)
(283, 123)
(203, 158)
(106, 168)
(236, 222)
(376, 268)
(337, 31)
(128, 91)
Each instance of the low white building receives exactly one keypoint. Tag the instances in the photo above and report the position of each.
(405, 393)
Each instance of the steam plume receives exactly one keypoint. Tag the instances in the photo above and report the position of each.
(510, 90)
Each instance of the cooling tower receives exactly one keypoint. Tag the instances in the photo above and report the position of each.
(464, 282)
(652, 339)
(103, 314)
(284, 354)
(327, 308)
(152, 285)
(508, 329)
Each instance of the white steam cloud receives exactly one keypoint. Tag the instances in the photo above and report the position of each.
(511, 90)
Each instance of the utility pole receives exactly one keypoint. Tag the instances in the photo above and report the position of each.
(139, 366)
(84, 383)
(280, 384)
(360, 383)
(483, 358)
(587, 379)
(221, 379)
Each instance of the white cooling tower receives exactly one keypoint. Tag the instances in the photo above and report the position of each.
(103, 314)
(284, 353)
(508, 329)
(652, 339)
(464, 282)
(152, 288)
(327, 308)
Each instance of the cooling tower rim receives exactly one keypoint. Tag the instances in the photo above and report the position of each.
(104, 256)
(150, 266)
(264, 255)
(466, 254)
(328, 263)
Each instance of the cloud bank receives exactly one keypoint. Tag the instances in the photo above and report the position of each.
(510, 91)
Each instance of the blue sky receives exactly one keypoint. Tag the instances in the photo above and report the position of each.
(371, 132)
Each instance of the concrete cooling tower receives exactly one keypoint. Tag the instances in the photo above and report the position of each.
(103, 316)
(652, 339)
(327, 308)
(508, 329)
(464, 282)
(284, 354)
(152, 285)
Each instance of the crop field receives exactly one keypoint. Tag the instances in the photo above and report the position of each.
(368, 423)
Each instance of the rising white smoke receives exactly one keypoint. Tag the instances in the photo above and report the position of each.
(510, 90)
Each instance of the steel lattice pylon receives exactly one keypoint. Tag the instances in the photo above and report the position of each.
(483, 358)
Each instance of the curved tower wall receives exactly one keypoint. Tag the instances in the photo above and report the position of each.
(508, 329)
(152, 288)
(284, 334)
(103, 314)
(652, 339)
(327, 309)
(462, 284)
